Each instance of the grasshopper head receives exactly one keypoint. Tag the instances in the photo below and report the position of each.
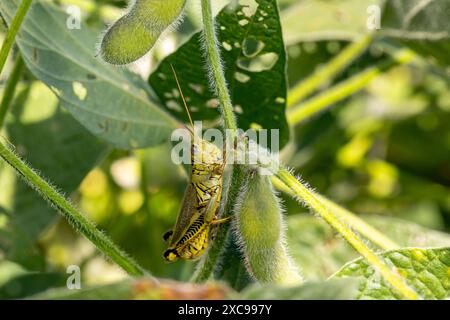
(170, 255)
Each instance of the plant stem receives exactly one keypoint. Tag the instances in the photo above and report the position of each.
(12, 31)
(8, 94)
(349, 218)
(329, 71)
(215, 65)
(208, 263)
(344, 89)
(68, 211)
(308, 197)
(359, 225)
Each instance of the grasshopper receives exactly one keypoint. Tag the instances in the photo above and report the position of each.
(193, 229)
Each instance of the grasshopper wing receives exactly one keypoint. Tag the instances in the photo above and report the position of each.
(188, 214)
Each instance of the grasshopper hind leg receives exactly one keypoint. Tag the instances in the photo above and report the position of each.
(216, 222)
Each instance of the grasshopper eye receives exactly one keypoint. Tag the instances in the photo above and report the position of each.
(195, 149)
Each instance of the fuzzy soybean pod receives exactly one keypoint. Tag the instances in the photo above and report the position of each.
(134, 34)
(260, 230)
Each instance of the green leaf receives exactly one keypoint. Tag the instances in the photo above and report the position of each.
(313, 20)
(31, 283)
(9, 270)
(336, 289)
(255, 61)
(409, 234)
(315, 248)
(427, 271)
(417, 19)
(55, 144)
(17, 282)
(112, 103)
(422, 25)
(320, 253)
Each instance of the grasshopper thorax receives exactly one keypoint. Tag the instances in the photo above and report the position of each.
(205, 153)
(207, 161)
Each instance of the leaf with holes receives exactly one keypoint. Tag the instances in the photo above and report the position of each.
(421, 24)
(427, 271)
(112, 103)
(255, 61)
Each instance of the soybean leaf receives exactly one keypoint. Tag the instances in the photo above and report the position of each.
(421, 24)
(9, 270)
(425, 270)
(409, 234)
(417, 19)
(55, 144)
(254, 60)
(313, 20)
(336, 289)
(112, 103)
(17, 282)
(316, 249)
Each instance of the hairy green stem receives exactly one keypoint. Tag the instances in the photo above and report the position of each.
(359, 225)
(215, 66)
(311, 200)
(344, 89)
(209, 261)
(10, 88)
(68, 211)
(329, 71)
(12, 31)
(351, 219)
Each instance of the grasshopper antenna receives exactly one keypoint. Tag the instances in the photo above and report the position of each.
(182, 96)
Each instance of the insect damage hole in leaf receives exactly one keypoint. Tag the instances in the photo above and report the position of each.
(80, 90)
(252, 47)
(254, 61)
(259, 63)
(241, 77)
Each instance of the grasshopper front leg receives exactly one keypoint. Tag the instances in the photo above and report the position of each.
(216, 222)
